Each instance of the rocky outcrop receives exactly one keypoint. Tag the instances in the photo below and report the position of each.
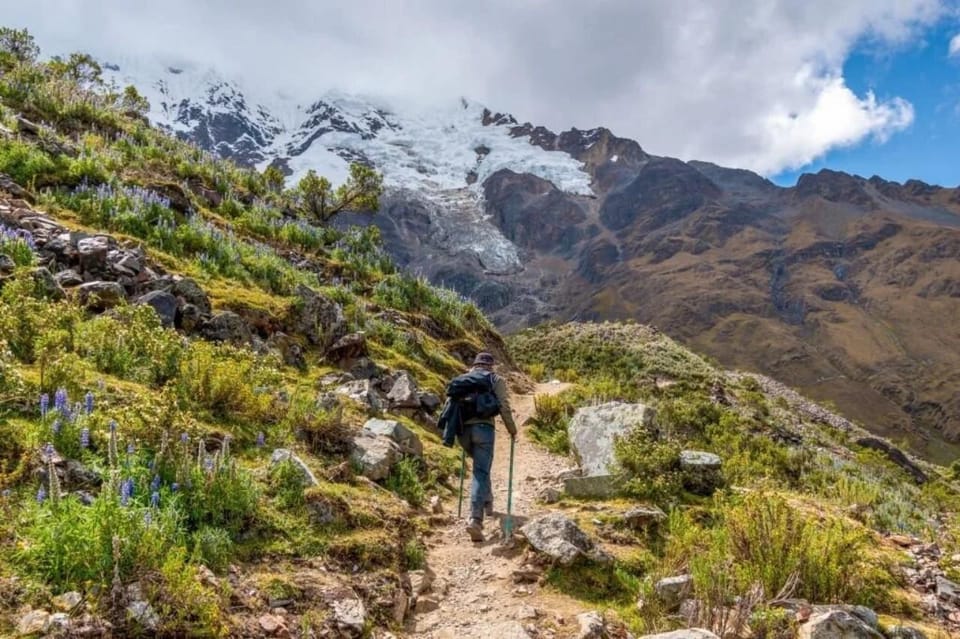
(402, 436)
(374, 455)
(837, 624)
(701, 471)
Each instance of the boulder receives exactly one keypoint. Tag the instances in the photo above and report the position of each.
(100, 295)
(430, 402)
(642, 517)
(590, 625)
(347, 613)
(374, 455)
(59, 625)
(420, 581)
(67, 601)
(315, 317)
(947, 590)
(227, 326)
(68, 278)
(366, 368)
(405, 392)
(281, 455)
(349, 347)
(165, 305)
(125, 263)
(701, 471)
(905, 632)
(836, 624)
(405, 438)
(363, 391)
(271, 624)
(190, 292)
(686, 633)
(673, 590)
(593, 431)
(92, 253)
(558, 537)
(35, 622)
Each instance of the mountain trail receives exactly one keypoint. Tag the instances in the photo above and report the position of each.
(474, 593)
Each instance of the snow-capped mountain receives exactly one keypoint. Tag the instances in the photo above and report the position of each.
(428, 150)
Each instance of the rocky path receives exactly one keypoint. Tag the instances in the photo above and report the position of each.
(483, 590)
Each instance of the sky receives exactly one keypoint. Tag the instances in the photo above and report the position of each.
(777, 86)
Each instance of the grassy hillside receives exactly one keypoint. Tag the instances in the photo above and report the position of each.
(138, 453)
(802, 509)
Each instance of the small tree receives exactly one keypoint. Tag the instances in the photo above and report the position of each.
(17, 46)
(320, 201)
(132, 102)
(274, 178)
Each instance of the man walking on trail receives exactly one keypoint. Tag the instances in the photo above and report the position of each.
(479, 436)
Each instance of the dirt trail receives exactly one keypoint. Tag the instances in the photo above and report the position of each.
(474, 585)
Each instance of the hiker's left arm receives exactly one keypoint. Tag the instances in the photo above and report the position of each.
(506, 413)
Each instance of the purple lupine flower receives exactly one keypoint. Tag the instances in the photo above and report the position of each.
(49, 449)
(184, 438)
(88, 402)
(131, 448)
(60, 401)
(147, 518)
(208, 464)
(126, 492)
(113, 426)
(261, 439)
(41, 495)
(155, 484)
(76, 412)
(174, 487)
(44, 405)
(155, 499)
(55, 427)
(85, 438)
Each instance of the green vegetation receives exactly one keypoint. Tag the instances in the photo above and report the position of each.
(791, 516)
(171, 435)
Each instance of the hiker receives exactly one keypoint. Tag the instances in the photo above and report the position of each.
(477, 438)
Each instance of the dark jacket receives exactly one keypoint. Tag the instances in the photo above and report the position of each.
(451, 422)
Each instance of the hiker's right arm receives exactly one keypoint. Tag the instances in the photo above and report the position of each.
(506, 413)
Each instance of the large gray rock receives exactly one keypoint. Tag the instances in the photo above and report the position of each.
(282, 455)
(642, 517)
(347, 612)
(374, 455)
(68, 278)
(673, 590)
(165, 305)
(686, 633)
(33, 623)
(404, 437)
(315, 317)
(836, 624)
(905, 632)
(590, 625)
(593, 432)
(92, 253)
(100, 296)
(558, 537)
(405, 393)
(190, 292)
(44, 285)
(363, 391)
(701, 471)
(227, 326)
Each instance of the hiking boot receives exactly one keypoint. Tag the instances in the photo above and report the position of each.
(488, 509)
(475, 530)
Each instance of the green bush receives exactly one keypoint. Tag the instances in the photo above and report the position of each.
(213, 547)
(404, 480)
(652, 466)
(550, 421)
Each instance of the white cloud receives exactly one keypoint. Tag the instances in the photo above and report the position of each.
(752, 83)
(954, 47)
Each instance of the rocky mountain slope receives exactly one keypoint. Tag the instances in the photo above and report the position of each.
(843, 287)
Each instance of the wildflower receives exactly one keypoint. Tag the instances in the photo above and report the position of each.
(261, 439)
(147, 518)
(60, 401)
(184, 438)
(85, 438)
(155, 484)
(131, 448)
(41, 495)
(44, 405)
(155, 499)
(49, 449)
(208, 464)
(113, 426)
(55, 427)
(126, 492)
(174, 487)
(88, 402)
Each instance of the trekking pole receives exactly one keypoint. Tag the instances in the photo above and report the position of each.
(508, 524)
(463, 472)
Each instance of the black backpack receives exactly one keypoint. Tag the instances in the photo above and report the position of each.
(474, 392)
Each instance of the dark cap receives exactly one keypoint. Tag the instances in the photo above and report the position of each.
(483, 359)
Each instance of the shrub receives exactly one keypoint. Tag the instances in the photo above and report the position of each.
(404, 480)
(652, 466)
(213, 547)
(550, 421)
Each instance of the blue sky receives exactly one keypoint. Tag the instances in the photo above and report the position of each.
(924, 74)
